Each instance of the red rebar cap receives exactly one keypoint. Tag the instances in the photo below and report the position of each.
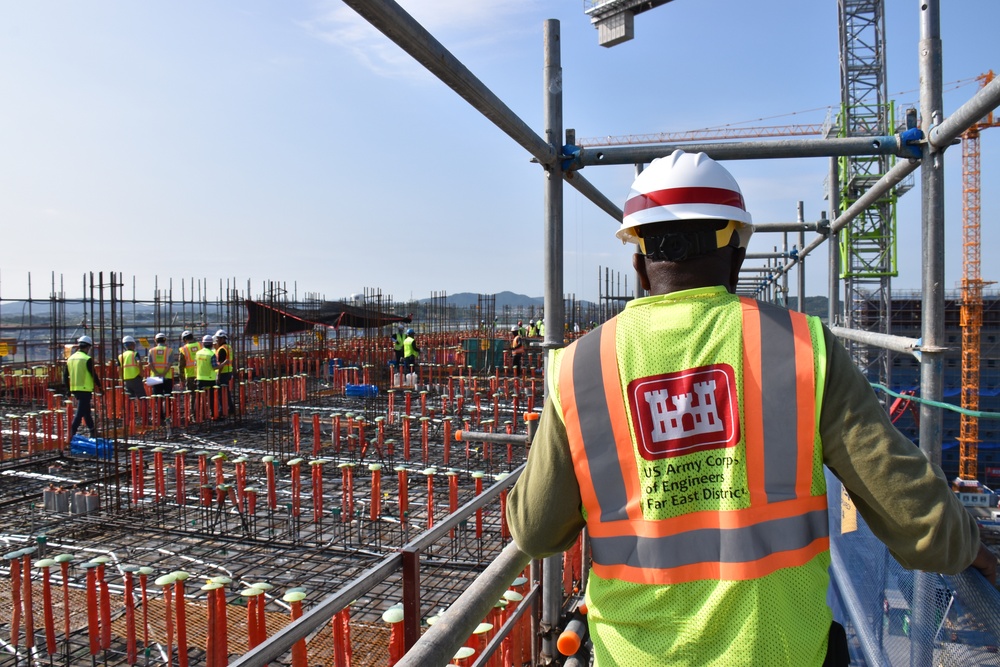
(531, 416)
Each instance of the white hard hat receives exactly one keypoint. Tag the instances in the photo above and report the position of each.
(206, 339)
(160, 336)
(128, 339)
(221, 333)
(84, 340)
(186, 334)
(685, 186)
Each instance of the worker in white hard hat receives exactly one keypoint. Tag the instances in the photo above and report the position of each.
(186, 359)
(82, 380)
(207, 363)
(160, 364)
(227, 366)
(689, 435)
(130, 369)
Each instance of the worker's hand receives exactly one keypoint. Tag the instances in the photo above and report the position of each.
(986, 562)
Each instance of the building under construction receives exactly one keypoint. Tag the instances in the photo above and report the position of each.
(185, 532)
(332, 460)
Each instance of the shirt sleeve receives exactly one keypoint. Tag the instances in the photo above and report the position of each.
(904, 498)
(544, 507)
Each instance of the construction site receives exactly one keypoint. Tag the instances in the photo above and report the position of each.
(340, 502)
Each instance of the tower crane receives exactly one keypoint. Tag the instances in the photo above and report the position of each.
(971, 308)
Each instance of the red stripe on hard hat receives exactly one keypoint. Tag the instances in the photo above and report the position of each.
(670, 196)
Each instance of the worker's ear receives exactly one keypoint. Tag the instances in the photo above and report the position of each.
(639, 264)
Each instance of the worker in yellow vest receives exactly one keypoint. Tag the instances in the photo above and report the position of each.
(186, 358)
(227, 365)
(397, 345)
(206, 364)
(689, 435)
(131, 370)
(410, 354)
(159, 363)
(82, 380)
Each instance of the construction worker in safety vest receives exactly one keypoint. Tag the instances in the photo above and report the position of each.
(131, 370)
(689, 434)
(532, 330)
(410, 354)
(521, 329)
(397, 345)
(207, 364)
(159, 363)
(540, 327)
(227, 366)
(186, 358)
(82, 380)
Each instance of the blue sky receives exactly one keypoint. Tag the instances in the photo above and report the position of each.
(293, 142)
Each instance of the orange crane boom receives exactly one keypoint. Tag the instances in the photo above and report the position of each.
(971, 309)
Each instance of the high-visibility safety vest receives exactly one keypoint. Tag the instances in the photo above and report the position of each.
(188, 351)
(699, 461)
(159, 362)
(397, 341)
(129, 364)
(80, 378)
(410, 347)
(517, 345)
(230, 362)
(203, 361)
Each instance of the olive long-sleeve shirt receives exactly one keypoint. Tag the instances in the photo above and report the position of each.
(904, 498)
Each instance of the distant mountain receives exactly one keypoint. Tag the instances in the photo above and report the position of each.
(503, 299)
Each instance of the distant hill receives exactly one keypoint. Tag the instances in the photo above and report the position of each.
(466, 299)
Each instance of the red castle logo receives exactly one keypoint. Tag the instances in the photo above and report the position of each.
(685, 412)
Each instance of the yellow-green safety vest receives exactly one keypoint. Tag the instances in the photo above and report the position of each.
(693, 424)
(129, 364)
(204, 363)
(80, 378)
(188, 351)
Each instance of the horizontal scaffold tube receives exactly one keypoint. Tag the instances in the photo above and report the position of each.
(886, 341)
(745, 150)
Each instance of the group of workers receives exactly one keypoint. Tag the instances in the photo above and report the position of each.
(201, 366)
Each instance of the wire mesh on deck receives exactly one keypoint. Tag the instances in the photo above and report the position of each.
(890, 612)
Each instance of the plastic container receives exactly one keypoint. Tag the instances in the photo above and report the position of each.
(361, 390)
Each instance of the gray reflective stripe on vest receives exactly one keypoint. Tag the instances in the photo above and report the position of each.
(778, 388)
(730, 545)
(595, 427)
